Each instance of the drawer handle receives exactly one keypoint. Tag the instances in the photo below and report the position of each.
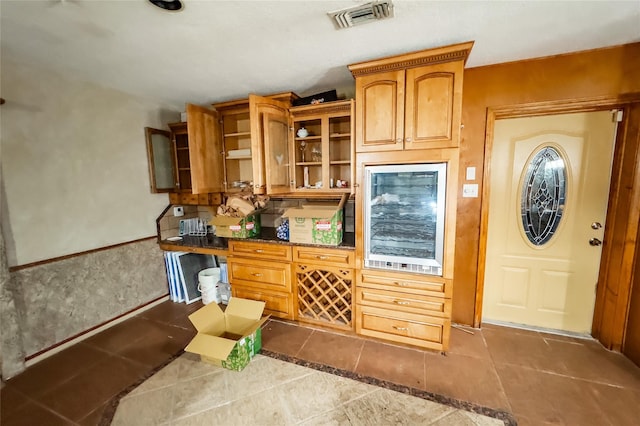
(256, 274)
(259, 251)
(401, 284)
(401, 328)
(322, 257)
(400, 302)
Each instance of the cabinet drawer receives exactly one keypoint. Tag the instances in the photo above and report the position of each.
(324, 256)
(260, 274)
(260, 250)
(418, 330)
(277, 304)
(428, 286)
(396, 301)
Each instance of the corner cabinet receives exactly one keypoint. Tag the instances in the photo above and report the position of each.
(411, 101)
(187, 158)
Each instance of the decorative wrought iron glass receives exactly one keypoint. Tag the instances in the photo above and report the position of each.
(543, 195)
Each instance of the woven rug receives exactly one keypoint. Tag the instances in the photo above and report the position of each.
(276, 389)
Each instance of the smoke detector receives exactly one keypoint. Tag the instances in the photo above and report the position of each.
(361, 14)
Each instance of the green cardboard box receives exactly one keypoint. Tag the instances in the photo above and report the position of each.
(237, 227)
(228, 339)
(316, 223)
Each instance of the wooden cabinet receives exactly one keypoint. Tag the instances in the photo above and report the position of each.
(324, 279)
(244, 125)
(320, 161)
(404, 308)
(411, 101)
(187, 158)
(262, 271)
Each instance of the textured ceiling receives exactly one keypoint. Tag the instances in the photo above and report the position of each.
(221, 50)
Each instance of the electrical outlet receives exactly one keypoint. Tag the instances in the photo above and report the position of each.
(178, 211)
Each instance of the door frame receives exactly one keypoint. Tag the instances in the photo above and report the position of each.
(620, 241)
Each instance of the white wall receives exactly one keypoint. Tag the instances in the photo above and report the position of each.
(74, 164)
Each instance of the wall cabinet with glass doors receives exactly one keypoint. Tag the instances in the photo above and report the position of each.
(242, 135)
(181, 160)
(316, 154)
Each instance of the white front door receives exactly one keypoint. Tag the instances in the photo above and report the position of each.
(549, 188)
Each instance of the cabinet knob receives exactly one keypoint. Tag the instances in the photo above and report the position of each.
(259, 251)
(400, 284)
(321, 257)
(409, 140)
(399, 140)
(256, 275)
(401, 328)
(400, 302)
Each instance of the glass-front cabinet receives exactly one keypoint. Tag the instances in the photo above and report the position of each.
(404, 213)
(321, 148)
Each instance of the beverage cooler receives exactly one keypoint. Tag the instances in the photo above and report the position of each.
(404, 211)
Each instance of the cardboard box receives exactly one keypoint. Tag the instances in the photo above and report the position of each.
(316, 223)
(237, 227)
(231, 338)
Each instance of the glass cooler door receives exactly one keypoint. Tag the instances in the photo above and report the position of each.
(404, 217)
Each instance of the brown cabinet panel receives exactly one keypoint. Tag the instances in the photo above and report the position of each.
(418, 330)
(204, 150)
(419, 304)
(260, 274)
(276, 304)
(405, 283)
(260, 250)
(324, 256)
(380, 111)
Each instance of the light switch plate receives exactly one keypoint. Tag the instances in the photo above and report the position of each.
(178, 211)
(470, 190)
(471, 173)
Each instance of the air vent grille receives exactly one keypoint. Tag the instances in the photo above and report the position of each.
(361, 14)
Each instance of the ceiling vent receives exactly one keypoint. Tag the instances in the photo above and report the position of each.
(362, 14)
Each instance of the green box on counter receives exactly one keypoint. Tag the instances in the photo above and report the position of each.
(317, 223)
(237, 227)
(228, 339)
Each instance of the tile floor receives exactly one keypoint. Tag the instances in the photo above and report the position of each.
(269, 391)
(542, 379)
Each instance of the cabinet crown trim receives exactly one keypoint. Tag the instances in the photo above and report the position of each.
(440, 55)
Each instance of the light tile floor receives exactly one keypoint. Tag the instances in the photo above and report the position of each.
(542, 379)
(272, 392)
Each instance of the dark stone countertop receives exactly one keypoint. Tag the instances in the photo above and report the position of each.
(267, 235)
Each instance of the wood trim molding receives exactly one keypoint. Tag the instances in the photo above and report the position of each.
(456, 52)
(82, 253)
(612, 337)
(322, 108)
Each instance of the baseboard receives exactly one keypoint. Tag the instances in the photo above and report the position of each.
(34, 359)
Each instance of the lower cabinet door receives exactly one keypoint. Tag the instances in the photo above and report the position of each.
(279, 305)
(413, 329)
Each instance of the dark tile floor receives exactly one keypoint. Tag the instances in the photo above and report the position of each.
(540, 378)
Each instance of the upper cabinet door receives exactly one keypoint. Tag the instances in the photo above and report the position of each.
(205, 152)
(433, 106)
(162, 169)
(380, 111)
(277, 153)
(258, 106)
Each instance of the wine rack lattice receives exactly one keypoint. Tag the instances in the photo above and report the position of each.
(325, 295)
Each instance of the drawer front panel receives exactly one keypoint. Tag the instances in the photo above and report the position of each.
(428, 286)
(260, 250)
(260, 274)
(277, 304)
(419, 330)
(323, 256)
(396, 301)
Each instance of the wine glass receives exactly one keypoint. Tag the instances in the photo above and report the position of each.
(303, 145)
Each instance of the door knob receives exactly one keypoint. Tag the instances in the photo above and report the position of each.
(595, 242)
(596, 225)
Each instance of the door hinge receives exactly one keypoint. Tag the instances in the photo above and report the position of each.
(617, 115)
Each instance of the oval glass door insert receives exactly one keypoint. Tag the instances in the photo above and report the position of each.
(543, 192)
